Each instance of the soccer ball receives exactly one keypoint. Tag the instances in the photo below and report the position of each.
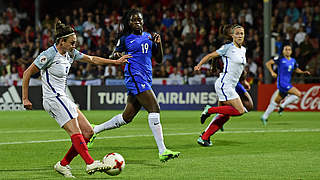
(116, 162)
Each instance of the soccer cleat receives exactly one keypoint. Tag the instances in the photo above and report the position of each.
(64, 170)
(264, 121)
(204, 114)
(97, 166)
(90, 143)
(204, 142)
(168, 154)
(280, 111)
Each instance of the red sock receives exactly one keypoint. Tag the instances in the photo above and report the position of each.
(227, 110)
(80, 145)
(72, 153)
(215, 126)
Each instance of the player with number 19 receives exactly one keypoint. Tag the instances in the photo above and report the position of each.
(138, 79)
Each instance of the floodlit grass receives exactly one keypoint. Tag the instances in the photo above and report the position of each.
(288, 148)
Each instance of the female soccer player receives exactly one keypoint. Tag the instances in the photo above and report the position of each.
(138, 79)
(242, 85)
(234, 60)
(55, 64)
(286, 65)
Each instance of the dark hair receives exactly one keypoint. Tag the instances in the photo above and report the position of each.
(125, 21)
(61, 30)
(225, 30)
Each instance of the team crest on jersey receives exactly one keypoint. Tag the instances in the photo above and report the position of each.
(43, 59)
(143, 86)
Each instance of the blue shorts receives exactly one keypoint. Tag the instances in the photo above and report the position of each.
(283, 89)
(240, 89)
(136, 86)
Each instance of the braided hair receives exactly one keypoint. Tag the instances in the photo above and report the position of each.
(125, 21)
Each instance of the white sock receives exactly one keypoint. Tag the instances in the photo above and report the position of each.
(155, 126)
(269, 110)
(115, 122)
(213, 119)
(289, 100)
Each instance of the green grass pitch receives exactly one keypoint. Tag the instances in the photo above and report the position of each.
(288, 148)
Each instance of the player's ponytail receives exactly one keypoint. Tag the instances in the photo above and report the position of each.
(225, 31)
(62, 31)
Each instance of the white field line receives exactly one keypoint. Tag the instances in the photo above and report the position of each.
(171, 134)
(128, 129)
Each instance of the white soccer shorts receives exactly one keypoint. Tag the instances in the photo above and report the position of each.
(61, 108)
(225, 91)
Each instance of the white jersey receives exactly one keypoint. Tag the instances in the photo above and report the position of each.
(234, 60)
(54, 70)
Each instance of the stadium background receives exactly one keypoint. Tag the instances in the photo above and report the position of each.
(189, 30)
(287, 148)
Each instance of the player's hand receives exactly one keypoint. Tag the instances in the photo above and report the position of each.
(197, 68)
(307, 73)
(246, 85)
(117, 55)
(156, 38)
(274, 75)
(27, 104)
(123, 59)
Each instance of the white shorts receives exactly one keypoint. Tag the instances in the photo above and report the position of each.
(225, 91)
(61, 108)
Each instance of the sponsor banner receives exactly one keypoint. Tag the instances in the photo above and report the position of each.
(309, 101)
(11, 97)
(173, 97)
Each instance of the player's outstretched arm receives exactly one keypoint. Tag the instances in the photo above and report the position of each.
(269, 67)
(157, 50)
(206, 59)
(299, 71)
(32, 69)
(102, 61)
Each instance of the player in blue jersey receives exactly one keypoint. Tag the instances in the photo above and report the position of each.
(54, 64)
(138, 79)
(286, 66)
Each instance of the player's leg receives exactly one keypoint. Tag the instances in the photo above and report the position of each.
(148, 100)
(271, 107)
(246, 101)
(233, 107)
(213, 127)
(79, 144)
(295, 95)
(130, 111)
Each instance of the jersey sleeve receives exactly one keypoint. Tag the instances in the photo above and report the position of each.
(223, 49)
(45, 58)
(77, 55)
(276, 59)
(121, 44)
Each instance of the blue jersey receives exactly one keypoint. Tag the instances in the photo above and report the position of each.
(285, 69)
(138, 72)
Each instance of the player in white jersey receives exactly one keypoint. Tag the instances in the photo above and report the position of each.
(55, 64)
(234, 60)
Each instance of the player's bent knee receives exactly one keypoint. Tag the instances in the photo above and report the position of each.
(88, 133)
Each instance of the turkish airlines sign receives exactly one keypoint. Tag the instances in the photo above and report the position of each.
(309, 100)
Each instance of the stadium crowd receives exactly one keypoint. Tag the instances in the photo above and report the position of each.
(189, 30)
